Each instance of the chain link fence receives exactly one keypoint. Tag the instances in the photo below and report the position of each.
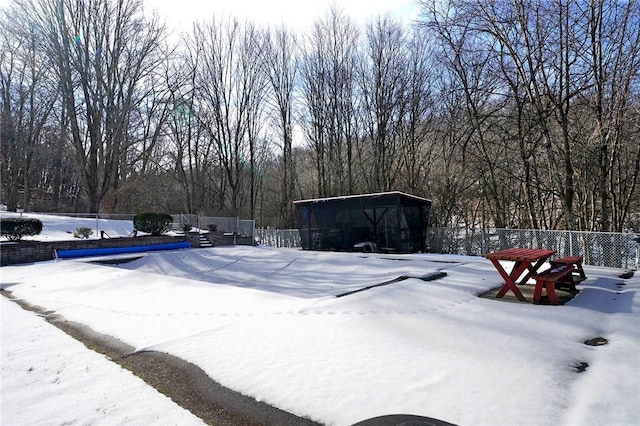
(289, 238)
(106, 216)
(243, 227)
(237, 226)
(610, 249)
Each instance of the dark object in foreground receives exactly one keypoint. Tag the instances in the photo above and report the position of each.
(596, 341)
(403, 420)
(580, 367)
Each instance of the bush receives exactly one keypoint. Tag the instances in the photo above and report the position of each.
(185, 227)
(152, 223)
(82, 232)
(15, 228)
(213, 227)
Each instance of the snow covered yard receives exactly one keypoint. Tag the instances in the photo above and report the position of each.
(55, 228)
(49, 378)
(267, 322)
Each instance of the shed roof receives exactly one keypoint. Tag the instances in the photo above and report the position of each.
(365, 196)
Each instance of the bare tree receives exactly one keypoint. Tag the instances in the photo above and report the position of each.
(230, 86)
(507, 113)
(471, 83)
(190, 152)
(143, 175)
(566, 75)
(614, 54)
(281, 66)
(329, 89)
(416, 129)
(27, 96)
(102, 50)
(383, 82)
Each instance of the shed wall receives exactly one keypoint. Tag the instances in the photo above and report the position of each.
(390, 223)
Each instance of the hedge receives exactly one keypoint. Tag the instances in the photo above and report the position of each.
(15, 228)
(152, 223)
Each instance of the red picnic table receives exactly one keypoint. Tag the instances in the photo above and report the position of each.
(525, 259)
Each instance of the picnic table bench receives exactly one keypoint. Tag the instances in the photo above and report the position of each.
(548, 280)
(577, 274)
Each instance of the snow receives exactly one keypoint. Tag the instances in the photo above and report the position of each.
(49, 378)
(56, 228)
(267, 323)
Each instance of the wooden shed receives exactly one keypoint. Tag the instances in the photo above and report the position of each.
(385, 222)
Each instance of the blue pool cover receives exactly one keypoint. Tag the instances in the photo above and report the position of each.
(102, 251)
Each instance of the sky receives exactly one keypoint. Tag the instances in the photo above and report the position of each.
(296, 14)
(266, 322)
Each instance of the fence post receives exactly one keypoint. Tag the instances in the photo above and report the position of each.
(570, 244)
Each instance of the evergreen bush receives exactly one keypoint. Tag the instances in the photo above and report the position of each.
(82, 232)
(15, 228)
(152, 223)
(186, 227)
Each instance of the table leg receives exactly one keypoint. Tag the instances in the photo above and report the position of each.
(533, 269)
(537, 292)
(550, 290)
(509, 279)
(551, 294)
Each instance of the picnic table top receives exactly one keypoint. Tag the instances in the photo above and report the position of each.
(521, 254)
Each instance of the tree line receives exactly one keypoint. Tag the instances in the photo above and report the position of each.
(521, 114)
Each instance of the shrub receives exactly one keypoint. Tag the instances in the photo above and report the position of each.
(15, 228)
(213, 227)
(82, 232)
(152, 223)
(185, 227)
